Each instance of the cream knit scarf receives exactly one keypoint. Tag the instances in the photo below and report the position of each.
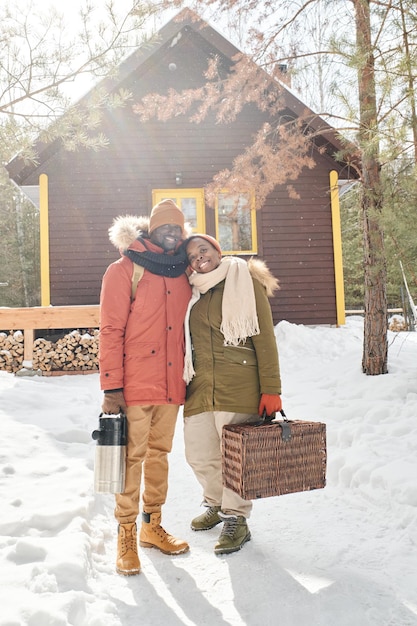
(239, 317)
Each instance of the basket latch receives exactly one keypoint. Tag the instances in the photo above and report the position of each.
(285, 427)
(286, 430)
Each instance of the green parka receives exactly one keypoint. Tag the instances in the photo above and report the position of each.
(232, 378)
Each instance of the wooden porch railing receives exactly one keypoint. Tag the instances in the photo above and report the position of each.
(47, 317)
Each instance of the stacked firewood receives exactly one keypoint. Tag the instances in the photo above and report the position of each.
(75, 351)
(397, 323)
(11, 351)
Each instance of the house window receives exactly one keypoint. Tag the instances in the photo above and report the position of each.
(191, 203)
(236, 223)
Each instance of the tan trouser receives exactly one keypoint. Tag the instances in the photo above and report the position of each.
(203, 437)
(149, 440)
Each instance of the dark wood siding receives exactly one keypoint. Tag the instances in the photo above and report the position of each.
(297, 241)
(88, 189)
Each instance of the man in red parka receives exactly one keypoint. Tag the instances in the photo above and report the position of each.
(141, 364)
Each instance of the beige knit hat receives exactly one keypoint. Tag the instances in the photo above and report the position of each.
(166, 212)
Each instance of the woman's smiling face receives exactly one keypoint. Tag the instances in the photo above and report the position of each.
(202, 256)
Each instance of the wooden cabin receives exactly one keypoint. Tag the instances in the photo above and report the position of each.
(145, 162)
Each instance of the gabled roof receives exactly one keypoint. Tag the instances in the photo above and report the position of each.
(185, 23)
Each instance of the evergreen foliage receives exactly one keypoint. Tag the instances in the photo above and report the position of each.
(398, 223)
(42, 62)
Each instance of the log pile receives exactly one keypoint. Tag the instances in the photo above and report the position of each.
(397, 323)
(11, 351)
(73, 352)
(77, 351)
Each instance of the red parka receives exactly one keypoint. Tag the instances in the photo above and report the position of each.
(142, 342)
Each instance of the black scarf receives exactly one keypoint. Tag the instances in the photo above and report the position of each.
(169, 265)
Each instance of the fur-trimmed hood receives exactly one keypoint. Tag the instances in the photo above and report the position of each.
(259, 270)
(127, 228)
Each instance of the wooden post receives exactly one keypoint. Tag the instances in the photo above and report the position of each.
(29, 338)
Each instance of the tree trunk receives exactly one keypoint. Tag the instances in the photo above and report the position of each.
(375, 346)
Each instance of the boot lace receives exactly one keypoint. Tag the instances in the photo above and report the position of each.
(128, 542)
(211, 513)
(162, 534)
(229, 527)
(161, 531)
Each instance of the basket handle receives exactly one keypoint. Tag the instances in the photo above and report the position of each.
(267, 419)
(284, 424)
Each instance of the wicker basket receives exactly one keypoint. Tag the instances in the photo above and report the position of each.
(274, 459)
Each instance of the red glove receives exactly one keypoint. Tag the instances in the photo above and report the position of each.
(114, 403)
(270, 403)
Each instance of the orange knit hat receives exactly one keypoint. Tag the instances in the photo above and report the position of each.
(208, 238)
(166, 212)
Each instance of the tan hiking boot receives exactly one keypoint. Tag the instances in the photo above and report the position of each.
(234, 535)
(127, 563)
(152, 535)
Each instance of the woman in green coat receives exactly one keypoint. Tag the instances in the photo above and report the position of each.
(232, 373)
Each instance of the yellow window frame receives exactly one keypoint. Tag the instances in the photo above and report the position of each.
(178, 195)
(254, 237)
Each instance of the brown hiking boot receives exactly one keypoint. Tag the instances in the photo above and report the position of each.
(152, 535)
(127, 563)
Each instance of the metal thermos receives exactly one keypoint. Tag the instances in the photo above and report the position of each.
(110, 459)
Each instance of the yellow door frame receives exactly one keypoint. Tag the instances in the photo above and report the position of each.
(337, 248)
(44, 240)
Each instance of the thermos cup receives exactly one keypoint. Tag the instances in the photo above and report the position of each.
(110, 459)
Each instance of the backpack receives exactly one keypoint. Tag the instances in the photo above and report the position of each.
(137, 275)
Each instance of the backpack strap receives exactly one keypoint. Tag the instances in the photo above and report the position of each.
(138, 272)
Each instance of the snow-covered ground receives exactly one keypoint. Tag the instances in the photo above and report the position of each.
(345, 555)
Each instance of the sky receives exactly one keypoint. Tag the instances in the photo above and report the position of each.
(77, 88)
(71, 10)
(345, 555)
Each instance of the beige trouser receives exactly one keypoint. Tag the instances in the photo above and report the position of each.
(150, 432)
(203, 438)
